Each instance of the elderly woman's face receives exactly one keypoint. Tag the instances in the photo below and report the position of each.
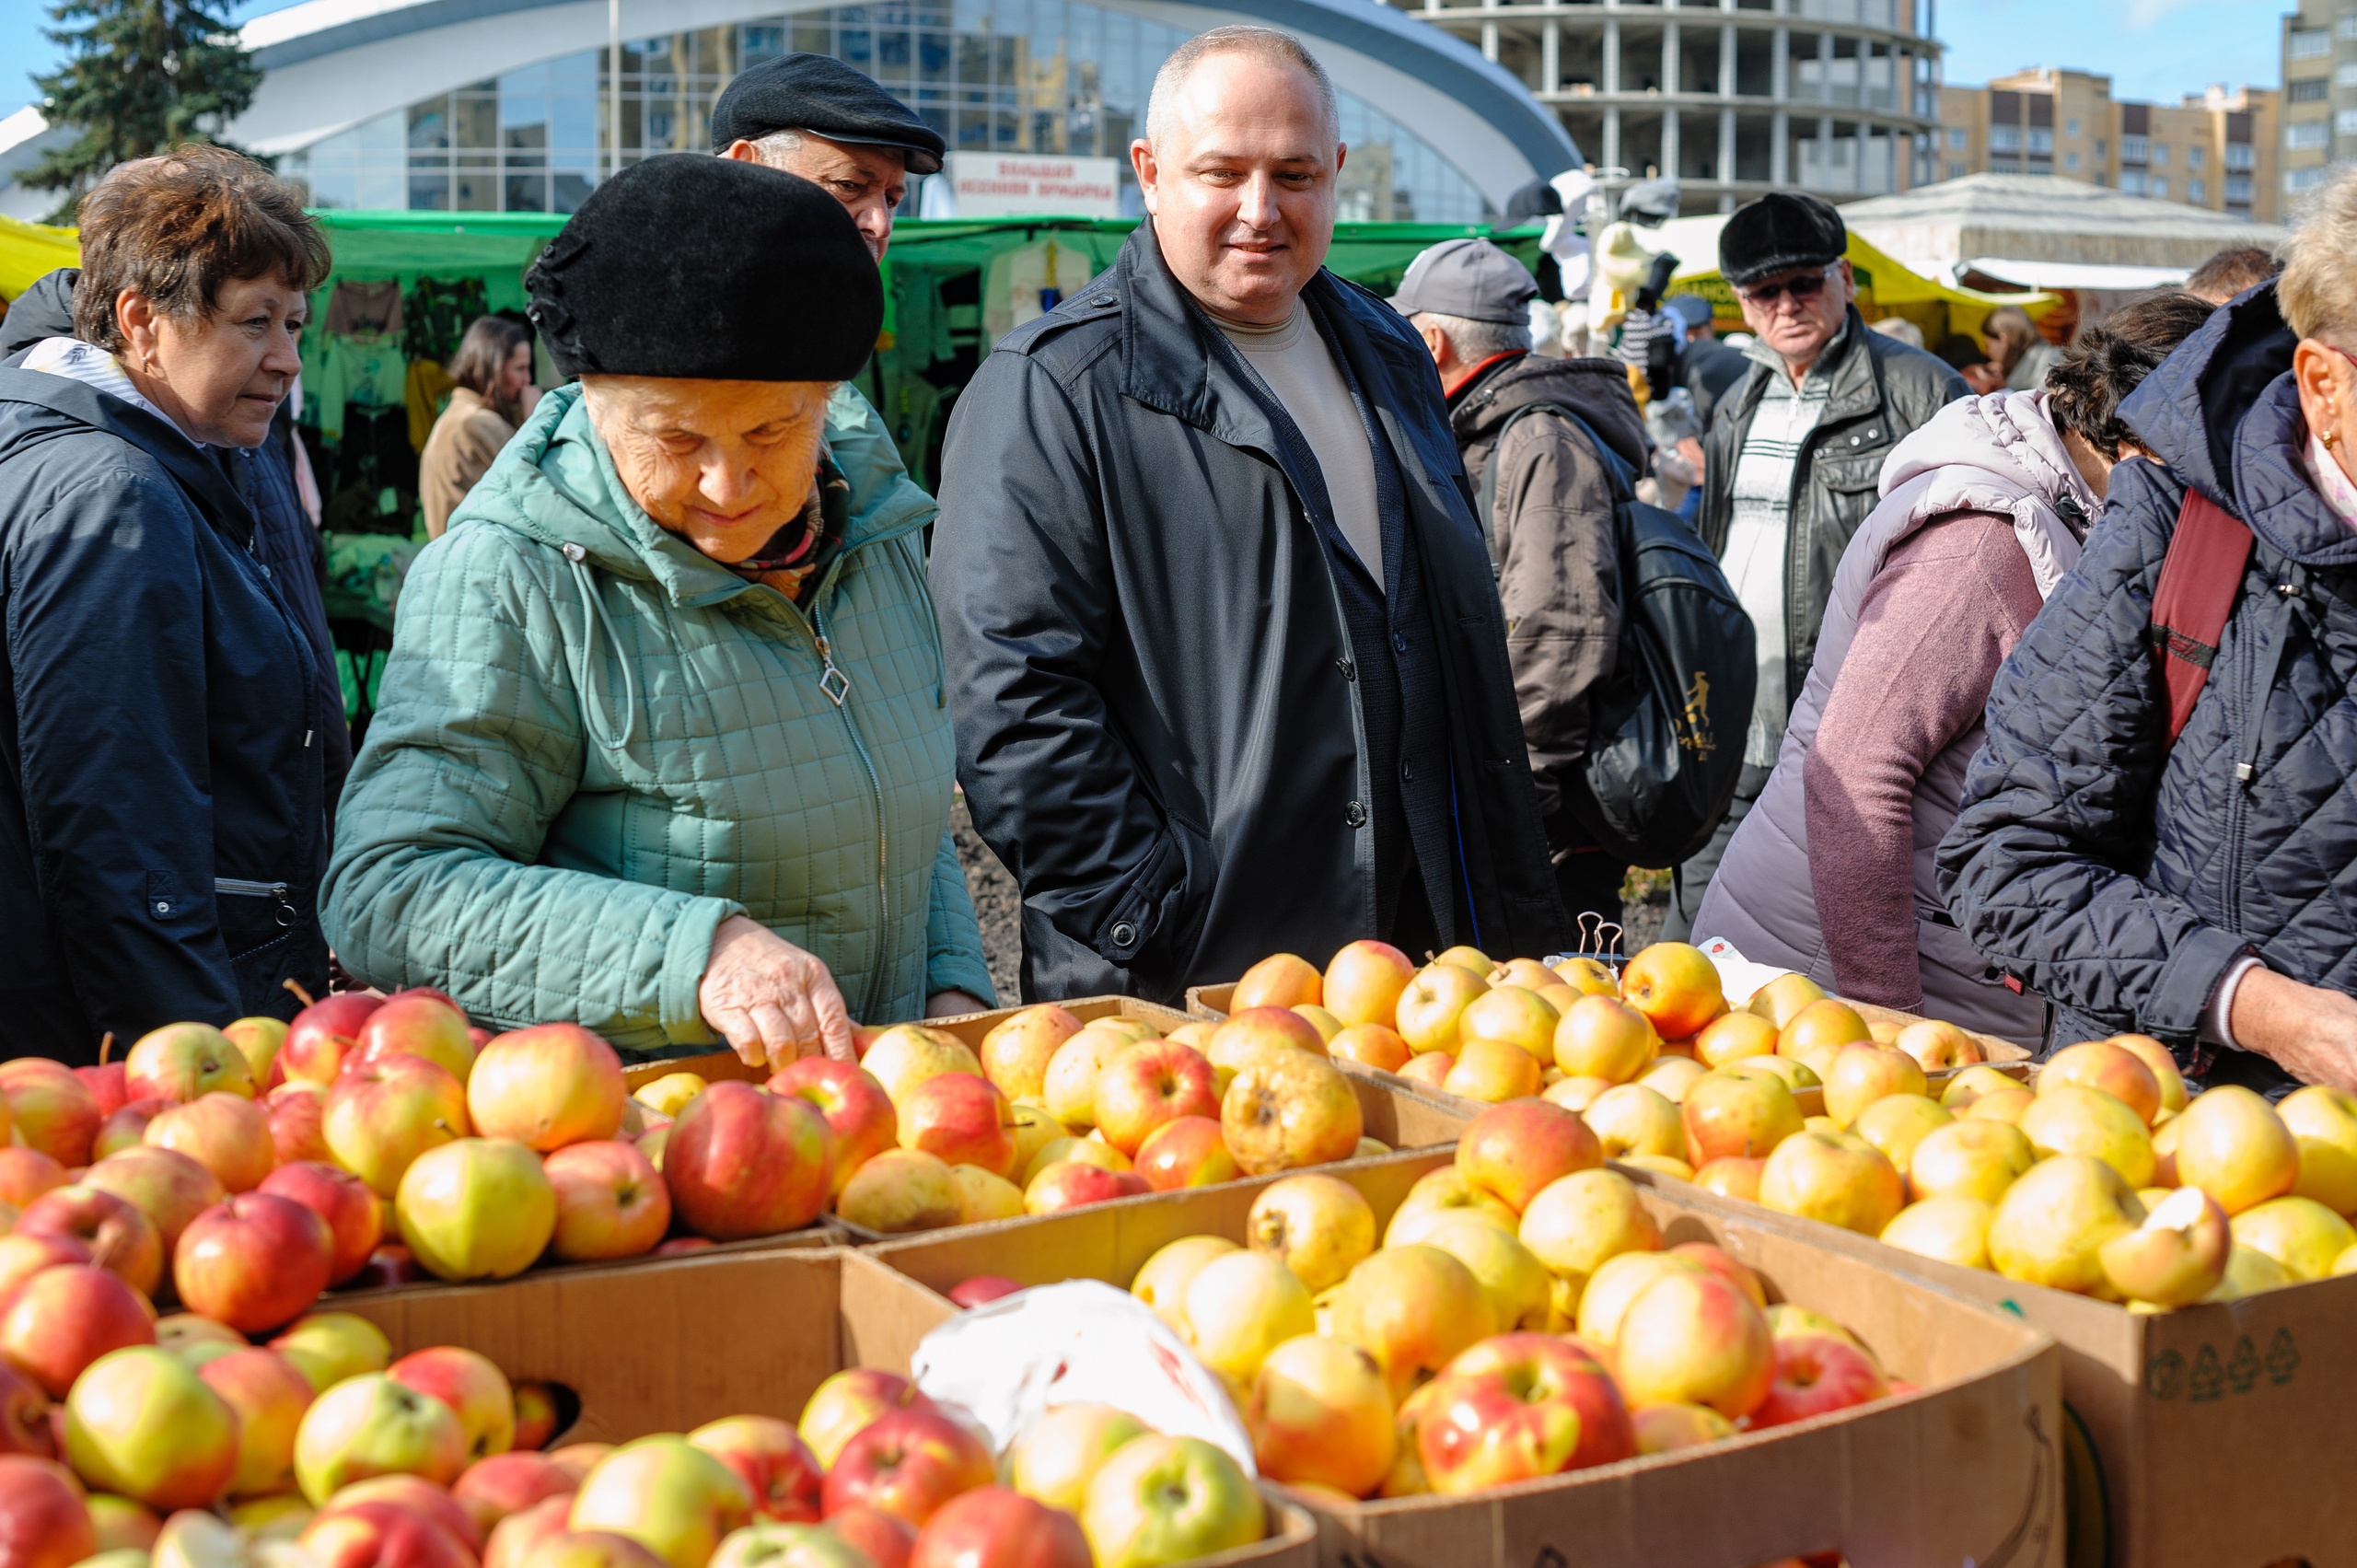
(220, 376)
(723, 464)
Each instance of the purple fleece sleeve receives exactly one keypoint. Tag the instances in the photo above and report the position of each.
(1946, 608)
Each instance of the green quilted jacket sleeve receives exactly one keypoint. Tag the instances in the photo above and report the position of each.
(953, 938)
(476, 746)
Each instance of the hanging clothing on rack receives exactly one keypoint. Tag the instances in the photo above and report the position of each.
(425, 391)
(366, 309)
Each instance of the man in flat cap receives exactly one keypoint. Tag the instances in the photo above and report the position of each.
(1792, 462)
(1527, 426)
(1225, 652)
(814, 116)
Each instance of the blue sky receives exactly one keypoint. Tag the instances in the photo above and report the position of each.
(2152, 49)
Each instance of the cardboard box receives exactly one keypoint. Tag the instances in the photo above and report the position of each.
(2222, 1435)
(670, 1345)
(1966, 1472)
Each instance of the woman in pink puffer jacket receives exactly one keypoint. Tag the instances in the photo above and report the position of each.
(1983, 511)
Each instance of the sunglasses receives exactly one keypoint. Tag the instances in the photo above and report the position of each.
(1808, 286)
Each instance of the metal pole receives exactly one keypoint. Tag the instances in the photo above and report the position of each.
(614, 80)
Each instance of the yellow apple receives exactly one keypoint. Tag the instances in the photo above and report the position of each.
(1671, 1076)
(1616, 1283)
(2163, 1065)
(1897, 1124)
(1732, 1038)
(1069, 1085)
(1677, 986)
(2050, 1226)
(2107, 1066)
(1286, 1110)
(984, 1195)
(1510, 1274)
(1663, 1429)
(1781, 1000)
(1320, 1415)
(1589, 977)
(1162, 1282)
(1864, 1074)
(1970, 1085)
(1364, 982)
(1491, 1071)
(1691, 1337)
(1466, 957)
(1242, 1306)
(2233, 1145)
(1412, 1309)
(1448, 1188)
(1015, 1054)
(1432, 1003)
(1969, 1159)
(907, 1054)
(2008, 1106)
(1325, 1023)
(1602, 1037)
(2071, 1120)
(1937, 1046)
(1838, 1179)
(2323, 1121)
(1054, 1457)
(1954, 1230)
(1318, 1226)
(2299, 1232)
(1578, 1221)
(1630, 1118)
(1789, 1071)
(1576, 1093)
(1281, 980)
(2177, 1256)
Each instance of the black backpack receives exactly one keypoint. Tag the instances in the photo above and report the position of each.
(1667, 744)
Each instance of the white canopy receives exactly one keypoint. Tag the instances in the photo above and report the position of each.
(2075, 274)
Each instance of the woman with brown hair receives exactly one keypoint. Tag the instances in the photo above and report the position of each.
(2015, 349)
(162, 786)
(495, 394)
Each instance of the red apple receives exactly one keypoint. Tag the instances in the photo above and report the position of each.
(25, 1425)
(107, 1086)
(679, 1244)
(854, 1104)
(256, 1262)
(270, 1397)
(169, 1187)
(991, 1527)
(50, 1109)
(384, 1112)
(180, 1061)
(848, 1403)
(578, 1459)
(982, 1289)
(959, 1118)
(474, 1388)
(515, 1538)
(1185, 1152)
(66, 1317)
(546, 1086)
(1817, 1373)
(390, 1264)
(355, 1220)
(44, 1522)
(536, 1416)
(381, 1535)
(908, 1463)
(417, 1023)
(323, 1034)
(1069, 1184)
(500, 1484)
(1518, 1406)
(888, 1542)
(1141, 1090)
(741, 1163)
(418, 1496)
(125, 1127)
(121, 1239)
(227, 1134)
(25, 1174)
(611, 1200)
(771, 1458)
(21, 1256)
(297, 1121)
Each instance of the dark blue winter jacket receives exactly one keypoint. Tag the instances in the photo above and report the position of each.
(2119, 877)
(162, 834)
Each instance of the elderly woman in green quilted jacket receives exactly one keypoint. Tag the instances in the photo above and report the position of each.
(663, 747)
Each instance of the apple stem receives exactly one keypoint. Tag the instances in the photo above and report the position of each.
(106, 1047)
(300, 994)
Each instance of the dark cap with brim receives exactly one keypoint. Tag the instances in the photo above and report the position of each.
(708, 269)
(1782, 232)
(819, 94)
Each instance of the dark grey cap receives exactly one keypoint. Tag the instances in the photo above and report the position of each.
(819, 94)
(1472, 279)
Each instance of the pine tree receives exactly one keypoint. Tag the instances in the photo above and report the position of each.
(141, 76)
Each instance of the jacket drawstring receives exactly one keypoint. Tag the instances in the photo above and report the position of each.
(592, 712)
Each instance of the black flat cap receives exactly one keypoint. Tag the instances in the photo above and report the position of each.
(819, 94)
(1783, 231)
(708, 269)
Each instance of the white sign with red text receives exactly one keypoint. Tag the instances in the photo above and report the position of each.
(999, 185)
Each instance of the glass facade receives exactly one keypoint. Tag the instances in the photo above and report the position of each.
(992, 75)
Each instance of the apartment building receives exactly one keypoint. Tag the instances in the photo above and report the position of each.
(1734, 97)
(2319, 92)
(2216, 149)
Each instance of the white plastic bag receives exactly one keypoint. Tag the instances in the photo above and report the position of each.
(1739, 978)
(1013, 1360)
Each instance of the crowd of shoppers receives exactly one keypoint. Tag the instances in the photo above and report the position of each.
(1258, 611)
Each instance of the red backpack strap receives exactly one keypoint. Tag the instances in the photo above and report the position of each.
(2199, 577)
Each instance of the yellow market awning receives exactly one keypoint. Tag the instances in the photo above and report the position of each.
(30, 252)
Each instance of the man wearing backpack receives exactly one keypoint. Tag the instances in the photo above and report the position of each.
(1792, 462)
(1551, 524)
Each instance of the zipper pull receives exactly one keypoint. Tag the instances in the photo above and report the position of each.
(833, 682)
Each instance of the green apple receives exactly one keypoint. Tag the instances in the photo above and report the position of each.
(141, 1424)
(476, 1208)
(667, 1495)
(1163, 1500)
(372, 1426)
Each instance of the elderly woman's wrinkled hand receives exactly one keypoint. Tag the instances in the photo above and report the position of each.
(769, 999)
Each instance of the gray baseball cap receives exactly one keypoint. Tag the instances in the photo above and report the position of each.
(1472, 279)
